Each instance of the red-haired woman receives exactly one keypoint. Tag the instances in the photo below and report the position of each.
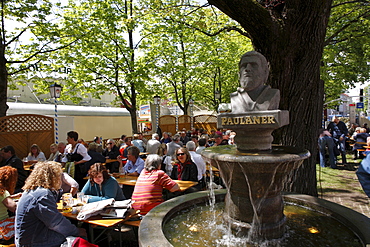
(8, 180)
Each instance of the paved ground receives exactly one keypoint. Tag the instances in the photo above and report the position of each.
(351, 194)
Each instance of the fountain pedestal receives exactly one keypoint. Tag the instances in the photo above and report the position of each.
(254, 172)
(254, 182)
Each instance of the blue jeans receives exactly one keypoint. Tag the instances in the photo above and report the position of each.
(329, 142)
(364, 179)
(342, 144)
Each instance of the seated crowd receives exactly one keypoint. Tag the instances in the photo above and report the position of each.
(157, 163)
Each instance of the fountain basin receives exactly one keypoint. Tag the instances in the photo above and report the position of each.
(151, 227)
(254, 180)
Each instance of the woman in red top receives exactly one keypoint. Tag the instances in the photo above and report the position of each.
(148, 189)
(184, 168)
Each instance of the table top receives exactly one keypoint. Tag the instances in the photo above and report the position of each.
(127, 180)
(131, 181)
(214, 169)
(27, 166)
(184, 185)
(110, 160)
(95, 220)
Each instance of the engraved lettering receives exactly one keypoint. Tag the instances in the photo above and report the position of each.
(230, 121)
(270, 119)
(223, 120)
(236, 120)
(256, 120)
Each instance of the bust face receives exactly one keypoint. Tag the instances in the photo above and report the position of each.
(251, 73)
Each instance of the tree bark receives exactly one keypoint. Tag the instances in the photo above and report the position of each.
(291, 37)
(3, 86)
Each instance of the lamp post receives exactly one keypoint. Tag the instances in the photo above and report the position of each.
(191, 104)
(218, 98)
(157, 101)
(55, 91)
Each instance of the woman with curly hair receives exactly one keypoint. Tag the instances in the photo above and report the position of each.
(8, 180)
(35, 154)
(101, 185)
(38, 221)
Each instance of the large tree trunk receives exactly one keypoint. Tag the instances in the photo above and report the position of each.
(291, 37)
(3, 86)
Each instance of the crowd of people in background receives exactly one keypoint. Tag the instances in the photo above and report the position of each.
(157, 162)
(337, 138)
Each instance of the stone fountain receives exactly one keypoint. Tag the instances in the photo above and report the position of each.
(253, 171)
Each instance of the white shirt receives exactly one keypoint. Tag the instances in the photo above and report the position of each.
(81, 149)
(199, 149)
(199, 161)
(68, 182)
(40, 157)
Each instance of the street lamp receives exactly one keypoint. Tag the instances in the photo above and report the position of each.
(191, 103)
(157, 101)
(55, 91)
(218, 95)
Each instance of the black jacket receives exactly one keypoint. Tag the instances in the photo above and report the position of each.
(189, 173)
(15, 162)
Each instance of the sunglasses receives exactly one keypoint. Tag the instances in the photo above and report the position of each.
(110, 143)
(180, 154)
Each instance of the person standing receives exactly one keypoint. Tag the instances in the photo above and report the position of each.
(339, 131)
(77, 153)
(324, 141)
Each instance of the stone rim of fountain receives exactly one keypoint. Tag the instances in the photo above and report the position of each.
(151, 231)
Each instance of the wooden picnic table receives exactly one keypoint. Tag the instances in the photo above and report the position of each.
(110, 161)
(131, 181)
(98, 220)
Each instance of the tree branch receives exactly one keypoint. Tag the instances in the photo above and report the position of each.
(228, 29)
(18, 35)
(331, 38)
(344, 3)
(42, 52)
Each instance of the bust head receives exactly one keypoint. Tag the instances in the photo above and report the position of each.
(253, 70)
